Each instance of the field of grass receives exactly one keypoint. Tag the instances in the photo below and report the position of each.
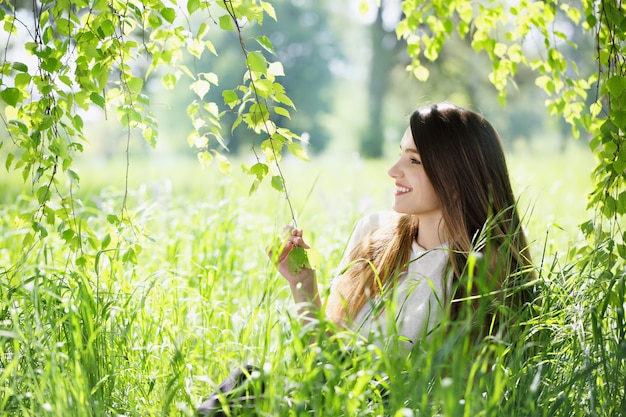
(152, 313)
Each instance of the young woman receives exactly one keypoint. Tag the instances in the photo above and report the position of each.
(454, 240)
(453, 201)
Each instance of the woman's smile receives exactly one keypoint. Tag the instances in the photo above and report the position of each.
(401, 190)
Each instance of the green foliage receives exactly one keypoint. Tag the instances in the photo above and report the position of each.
(87, 55)
(78, 57)
(99, 319)
(300, 258)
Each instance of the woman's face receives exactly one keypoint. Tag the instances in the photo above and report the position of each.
(414, 192)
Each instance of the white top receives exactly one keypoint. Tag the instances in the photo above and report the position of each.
(418, 294)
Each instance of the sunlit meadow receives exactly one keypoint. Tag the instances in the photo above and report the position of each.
(183, 292)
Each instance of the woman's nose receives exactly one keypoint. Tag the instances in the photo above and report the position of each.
(394, 172)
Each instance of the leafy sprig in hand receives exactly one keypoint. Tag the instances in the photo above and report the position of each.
(295, 256)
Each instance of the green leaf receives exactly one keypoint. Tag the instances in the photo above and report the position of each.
(155, 21)
(223, 163)
(213, 110)
(192, 109)
(259, 169)
(209, 45)
(263, 87)
(315, 258)
(205, 158)
(226, 22)
(40, 228)
(297, 260)
(608, 206)
(10, 96)
(282, 111)
(298, 151)
(169, 81)
(621, 202)
(106, 241)
(236, 123)
(196, 47)
(421, 73)
(77, 122)
(150, 136)
(50, 215)
(616, 85)
(282, 98)
(43, 194)
(276, 69)
(210, 77)
(230, 98)
(169, 14)
(200, 88)
(97, 99)
(130, 256)
(67, 235)
(22, 79)
(50, 64)
(254, 186)
(18, 66)
(301, 258)
(135, 84)
(256, 62)
(193, 5)
(500, 49)
(202, 30)
(9, 161)
(107, 27)
(269, 9)
(73, 176)
(28, 240)
(265, 43)
(278, 183)
(258, 116)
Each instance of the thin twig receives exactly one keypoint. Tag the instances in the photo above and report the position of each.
(231, 11)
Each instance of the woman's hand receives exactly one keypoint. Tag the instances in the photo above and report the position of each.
(294, 275)
(301, 277)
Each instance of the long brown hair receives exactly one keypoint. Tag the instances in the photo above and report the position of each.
(463, 157)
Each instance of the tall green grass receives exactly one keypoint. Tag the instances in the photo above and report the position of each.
(163, 305)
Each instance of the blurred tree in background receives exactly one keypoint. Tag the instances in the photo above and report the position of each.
(306, 44)
(185, 71)
(385, 55)
(302, 41)
(459, 71)
(338, 62)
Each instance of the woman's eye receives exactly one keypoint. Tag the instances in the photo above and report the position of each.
(415, 161)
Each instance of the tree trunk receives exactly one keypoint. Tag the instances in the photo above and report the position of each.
(383, 61)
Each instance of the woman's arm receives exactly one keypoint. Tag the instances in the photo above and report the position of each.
(303, 282)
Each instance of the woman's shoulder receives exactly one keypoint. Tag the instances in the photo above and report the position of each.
(369, 223)
(376, 219)
(373, 221)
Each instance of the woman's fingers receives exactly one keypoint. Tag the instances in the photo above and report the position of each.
(293, 240)
(296, 239)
